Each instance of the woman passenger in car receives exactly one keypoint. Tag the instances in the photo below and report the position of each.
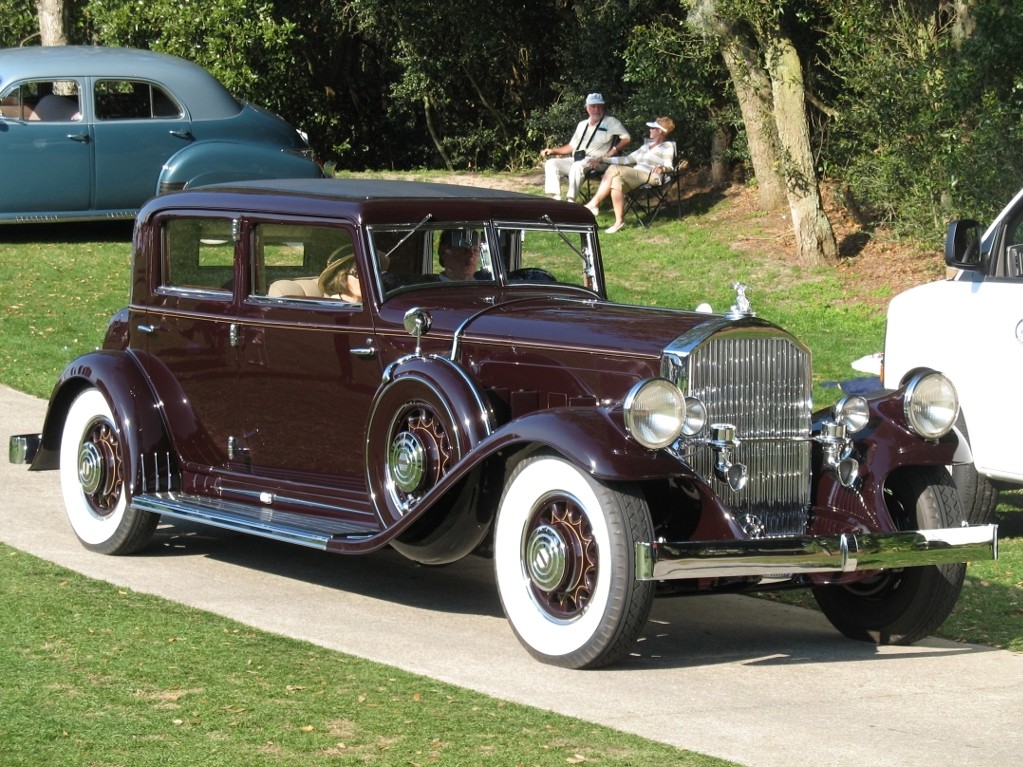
(341, 280)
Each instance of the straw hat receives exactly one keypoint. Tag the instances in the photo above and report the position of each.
(339, 261)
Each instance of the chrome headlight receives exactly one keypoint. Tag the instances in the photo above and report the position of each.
(853, 411)
(654, 412)
(931, 405)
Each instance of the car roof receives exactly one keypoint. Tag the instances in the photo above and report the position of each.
(373, 200)
(201, 93)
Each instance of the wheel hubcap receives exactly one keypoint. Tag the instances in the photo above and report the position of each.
(546, 558)
(408, 462)
(99, 461)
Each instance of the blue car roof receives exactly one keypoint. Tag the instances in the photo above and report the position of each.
(201, 93)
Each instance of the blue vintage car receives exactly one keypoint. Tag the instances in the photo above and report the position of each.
(93, 132)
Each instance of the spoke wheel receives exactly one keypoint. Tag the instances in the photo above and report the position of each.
(93, 481)
(564, 557)
(420, 452)
(561, 558)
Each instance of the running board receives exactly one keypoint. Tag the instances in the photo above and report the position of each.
(303, 529)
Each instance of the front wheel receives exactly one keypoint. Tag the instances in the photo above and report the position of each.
(976, 493)
(564, 556)
(92, 480)
(903, 606)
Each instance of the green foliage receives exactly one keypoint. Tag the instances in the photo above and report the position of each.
(19, 24)
(917, 113)
(674, 71)
(929, 123)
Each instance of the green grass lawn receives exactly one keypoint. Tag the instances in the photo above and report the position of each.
(101, 676)
(96, 675)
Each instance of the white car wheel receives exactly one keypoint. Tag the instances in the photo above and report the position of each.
(564, 554)
(92, 480)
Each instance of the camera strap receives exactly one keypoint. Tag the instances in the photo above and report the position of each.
(597, 128)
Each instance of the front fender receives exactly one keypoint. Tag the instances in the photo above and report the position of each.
(217, 162)
(138, 415)
(589, 437)
(885, 446)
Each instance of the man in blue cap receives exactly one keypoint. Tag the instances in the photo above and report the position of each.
(598, 137)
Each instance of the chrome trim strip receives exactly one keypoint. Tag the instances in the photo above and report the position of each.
(848, 552)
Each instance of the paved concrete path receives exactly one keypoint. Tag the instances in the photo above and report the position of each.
(762, 684)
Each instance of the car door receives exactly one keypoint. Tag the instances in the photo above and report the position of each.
(185, 336)
(138, 125)
(308, 370)
(990, 359)
(47, 149)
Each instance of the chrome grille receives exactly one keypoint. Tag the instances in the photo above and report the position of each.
(757, 379)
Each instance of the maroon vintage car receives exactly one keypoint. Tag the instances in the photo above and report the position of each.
(349, 365)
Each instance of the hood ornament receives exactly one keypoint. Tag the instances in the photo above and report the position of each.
(742, 306)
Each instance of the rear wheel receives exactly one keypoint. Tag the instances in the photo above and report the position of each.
(903, 606)
(564, 556)
(92, 479)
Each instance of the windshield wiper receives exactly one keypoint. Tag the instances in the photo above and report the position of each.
(401, 242)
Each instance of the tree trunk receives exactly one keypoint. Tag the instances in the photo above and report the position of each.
(428, 115)
(753, 90)
(720, 142)
(52, 22)
(815, 239)
(754, 94)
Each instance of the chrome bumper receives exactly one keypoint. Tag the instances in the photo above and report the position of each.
(786, 557)
(22, 448)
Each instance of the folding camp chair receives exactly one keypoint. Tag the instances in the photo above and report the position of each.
(646, 201)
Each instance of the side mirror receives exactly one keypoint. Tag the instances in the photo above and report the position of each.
(962, 245)
(417, 323)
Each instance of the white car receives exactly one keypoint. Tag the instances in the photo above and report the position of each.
(970, 327)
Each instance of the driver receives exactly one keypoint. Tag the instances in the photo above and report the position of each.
(459, 255)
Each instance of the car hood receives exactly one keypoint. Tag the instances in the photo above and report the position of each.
(571, 324)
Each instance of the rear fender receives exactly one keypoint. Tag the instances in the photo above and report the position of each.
(217, 162)
(138, 416)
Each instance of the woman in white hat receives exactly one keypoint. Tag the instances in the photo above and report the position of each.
(646, 165)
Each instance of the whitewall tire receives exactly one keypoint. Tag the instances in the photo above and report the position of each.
(564, 557)
(92, 480)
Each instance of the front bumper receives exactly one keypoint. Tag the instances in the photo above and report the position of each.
(845, 553)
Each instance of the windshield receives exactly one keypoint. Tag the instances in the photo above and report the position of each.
(472, 252)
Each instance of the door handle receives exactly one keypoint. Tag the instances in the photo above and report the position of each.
(80, 137)
(185, 134)
(365, 352)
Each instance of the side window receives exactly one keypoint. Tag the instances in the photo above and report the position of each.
(43, 101)
(133, 100)
(198, 255)
(300, 261)
(1012, 264)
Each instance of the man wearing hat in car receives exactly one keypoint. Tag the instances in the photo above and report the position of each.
(598, 137)
(459, 255)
